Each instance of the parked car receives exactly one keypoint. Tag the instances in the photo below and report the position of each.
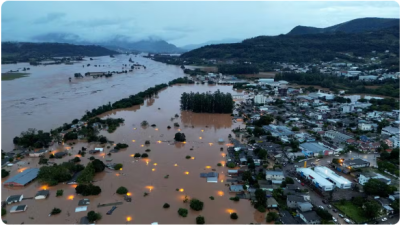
(336, 155)
(334, 210)
(321, 207)
(334, 219)
(384, 219)
(341, 215)
(302, 184)
(298, 180)
(347, 220)
(324, 201)
(329, 206)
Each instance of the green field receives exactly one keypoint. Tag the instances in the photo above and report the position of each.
(12, 76)
(355, 213)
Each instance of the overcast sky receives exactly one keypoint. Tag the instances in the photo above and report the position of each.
(179, 23)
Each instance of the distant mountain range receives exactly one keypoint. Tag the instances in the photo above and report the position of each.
(224, 41)
(355, 38)
(119, 43)
(353, 26)
(26, 51)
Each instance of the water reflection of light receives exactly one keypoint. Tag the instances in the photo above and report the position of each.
(150, 188)
(128, 218)
(230, 211)
(129, 194)
(210, 144)
(120, 169)
(179, 129)
(208, 167)
(202, 130)
(187, 173)
(44, 187)
(192, 158)
(175, 164)
(200, 138)
(156, 129)
(159, 141)
(222, 181)
(153, 170)
(74, 185)
(147, 162)
(133, 140)
(181, 190)
(229, 145)
(70, 197)
(220, 193)
(142, 146)
(184, 142)
(22, 169)
(222, 154)
(117, 174)
(155, 164)
(134, 128)
(132, 155)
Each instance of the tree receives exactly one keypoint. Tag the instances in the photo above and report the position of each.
(371, 209)
(4, 173)
(87, 174)
(119, 166)
(145, 155)
(60, 192)
(166, 205)
(261, 198)
(93, 216)
(196, 204)
(183, 212)
(3, 211)
(295, 129)
(76, 159)
(272, 216)
(137, 155)
(262, 153)
(55, 211)
(144, 123)
(247, 176)
(376, 187)
(200, 220)
(180, 137)
(87, 190)
(324, 214)
(261, 209)
(231, 165)
(258, 131)
(122, 190)
(264, 120)
(98, 165)
(234, 216)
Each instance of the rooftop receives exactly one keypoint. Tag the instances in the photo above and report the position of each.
(25, 177)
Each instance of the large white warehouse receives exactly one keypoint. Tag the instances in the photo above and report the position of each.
(339, 181)
(317, 179)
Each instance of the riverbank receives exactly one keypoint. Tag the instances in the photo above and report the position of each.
(12, 76)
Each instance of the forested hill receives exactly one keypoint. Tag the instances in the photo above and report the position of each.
(24, 51)
(302, 48)
(353, 26)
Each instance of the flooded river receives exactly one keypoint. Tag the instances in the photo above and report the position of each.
(46, 99)
(147, 175)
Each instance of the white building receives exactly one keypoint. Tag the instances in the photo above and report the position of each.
(364, 126)
(260, 99)
(353, 98)
(339, 181)
(396, 141)
(347, 108)
(389, 130)
(264, 81)
(368, 78)
(337, 136)
(366, 176)
(317, 179)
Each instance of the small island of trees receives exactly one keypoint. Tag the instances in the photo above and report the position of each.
(216, 102)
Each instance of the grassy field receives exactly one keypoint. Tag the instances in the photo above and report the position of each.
(355, 213)
(12, 76)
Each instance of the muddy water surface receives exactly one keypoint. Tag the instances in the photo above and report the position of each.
(147, 175)
(46, 99)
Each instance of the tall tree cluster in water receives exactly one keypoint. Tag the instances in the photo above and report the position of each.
(216, 102)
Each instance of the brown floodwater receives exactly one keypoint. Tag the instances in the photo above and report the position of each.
(147, 175)
(46, 99)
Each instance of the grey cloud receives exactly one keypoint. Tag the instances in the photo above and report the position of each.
(50, 17)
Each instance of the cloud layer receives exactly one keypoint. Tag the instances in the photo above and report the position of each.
(180, 23)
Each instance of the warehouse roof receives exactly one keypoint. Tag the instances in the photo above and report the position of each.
(313, 147)
(318, 178)
(324, 171)
(25, 177)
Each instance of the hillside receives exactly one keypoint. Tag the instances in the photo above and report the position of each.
(24, 51)
(353, 26)
(302, 48)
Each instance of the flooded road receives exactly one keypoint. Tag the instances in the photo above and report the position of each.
(147, 175)
(46, 99)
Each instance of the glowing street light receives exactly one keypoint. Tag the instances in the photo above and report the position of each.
(133, 140)
(128, 218)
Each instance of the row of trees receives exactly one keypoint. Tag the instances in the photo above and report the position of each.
(238, 69)
(216, 102)
(181, 80)
(52, 175)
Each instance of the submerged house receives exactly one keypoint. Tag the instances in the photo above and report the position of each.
(19, 208)
(23, 178)
(14, 199)
(42, 194)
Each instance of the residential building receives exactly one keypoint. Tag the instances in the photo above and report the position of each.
(304, 206)
(366, 176)
(364, 126)
(310, 217)
(19, 208)
(292, 200)
(42, 194)
(38, 153)
(260, 99)
(389, 130)
(271, 203)
(274, 175)
(356, 163)
(337, 136)
(14, 199)
(396, 141)
(314, 149)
